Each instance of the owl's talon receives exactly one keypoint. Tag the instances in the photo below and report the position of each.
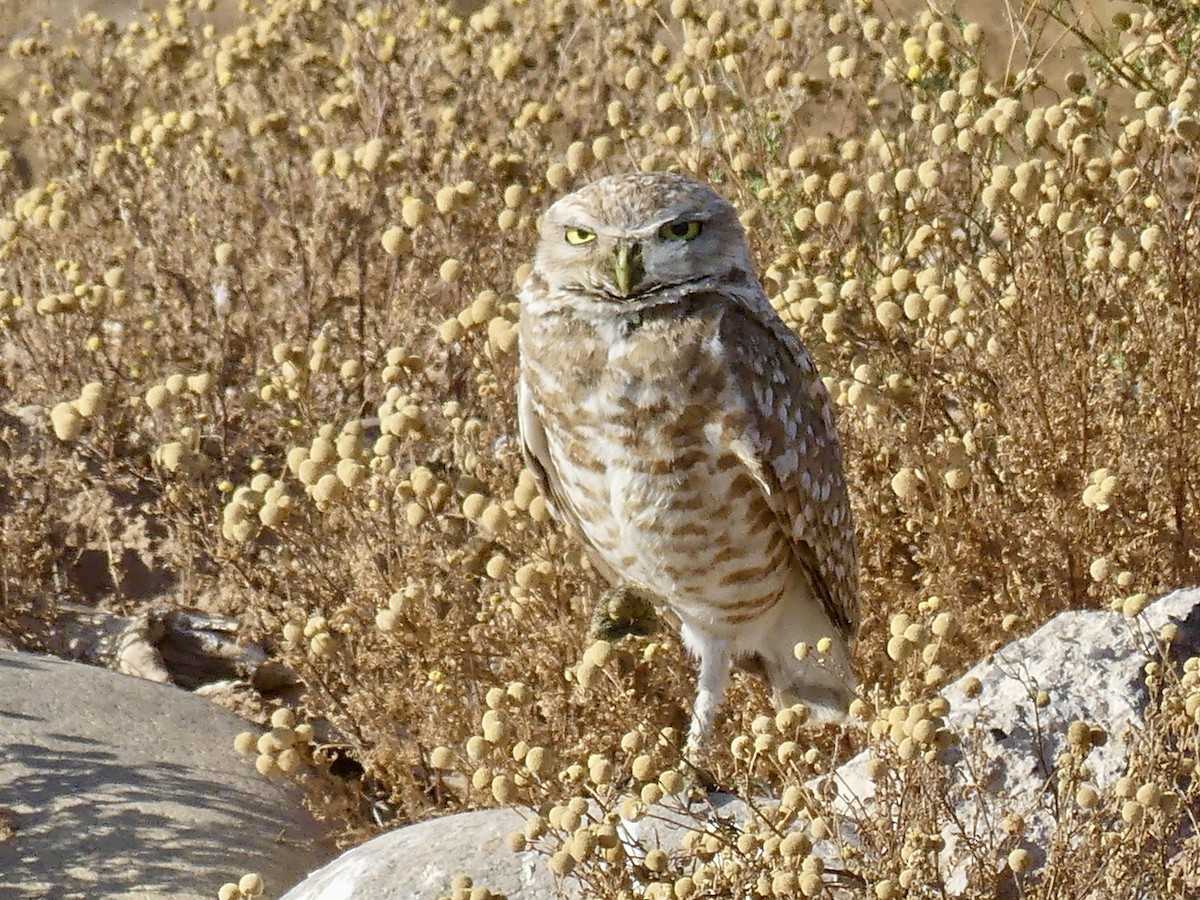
(700, 781)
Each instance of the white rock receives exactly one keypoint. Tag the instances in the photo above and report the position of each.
(419, 861)
(1091, 664)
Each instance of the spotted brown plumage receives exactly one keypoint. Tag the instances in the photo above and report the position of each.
(680, 430)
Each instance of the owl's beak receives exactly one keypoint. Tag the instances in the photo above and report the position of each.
(628, 271)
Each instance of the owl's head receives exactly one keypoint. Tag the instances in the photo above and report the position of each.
(634, 239)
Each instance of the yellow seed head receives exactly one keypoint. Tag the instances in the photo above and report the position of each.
(1134, 604)
(643, 768)
(651, 793)
(898, 649)
(328, 489)
(1087, 797)
(423, 482)
(67, 421)
(176, 384)
(288, 761)
(904, 483)
(503, 789)
(114, 277)
(283, 718)
(1149, 795)
(251, 884)
(323, 644)
(602, 147)
(957, 478)
(474, 505)
(350, 472)
(656, 860)
(157, 397)
(585, 674)
(92, 400)
(1019, 861)
(498, 566)
(811, 884)
(476, 748)
(322, 160)
(494, 518)
(495, 729)
(537, 760)
(395, 241)
(414, 211)
(558, 176)
(450, 270)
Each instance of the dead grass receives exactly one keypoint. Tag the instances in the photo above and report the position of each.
(256, 308)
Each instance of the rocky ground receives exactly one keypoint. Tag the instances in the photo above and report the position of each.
(115, 786)
(1090, 665)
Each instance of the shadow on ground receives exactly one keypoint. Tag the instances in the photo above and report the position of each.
(111, 786)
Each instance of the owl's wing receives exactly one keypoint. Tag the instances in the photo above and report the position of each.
(783, 432)
(538, 460)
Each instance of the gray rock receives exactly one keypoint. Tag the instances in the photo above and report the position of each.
(419, 861)
(1091, 664)
(186, 647)
(112, 786)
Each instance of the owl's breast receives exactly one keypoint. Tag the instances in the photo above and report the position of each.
(632, 419)
(657, 498)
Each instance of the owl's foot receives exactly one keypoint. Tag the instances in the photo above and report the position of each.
(622, 610)
(699, 779)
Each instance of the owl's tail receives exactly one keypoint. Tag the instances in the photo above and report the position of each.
(823, 681)
(827, 690)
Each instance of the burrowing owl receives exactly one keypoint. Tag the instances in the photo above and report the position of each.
(680, 430)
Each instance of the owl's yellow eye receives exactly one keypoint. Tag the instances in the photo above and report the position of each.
(579, 236)
(680, 231)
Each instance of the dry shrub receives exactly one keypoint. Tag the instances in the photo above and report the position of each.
(258, 284)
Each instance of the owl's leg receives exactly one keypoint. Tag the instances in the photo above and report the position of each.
(714, 658)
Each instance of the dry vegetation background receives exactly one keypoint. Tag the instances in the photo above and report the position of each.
(257, 274)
